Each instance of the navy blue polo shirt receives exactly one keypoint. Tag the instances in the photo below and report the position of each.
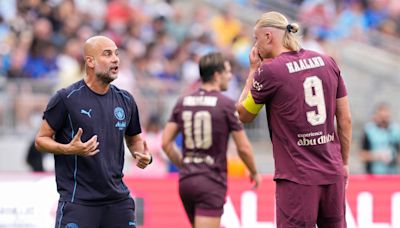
(96, 179)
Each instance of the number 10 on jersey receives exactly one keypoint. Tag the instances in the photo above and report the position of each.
(197, 129)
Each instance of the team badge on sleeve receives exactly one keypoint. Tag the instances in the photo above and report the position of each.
(256, 85)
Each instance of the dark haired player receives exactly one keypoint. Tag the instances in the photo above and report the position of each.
(206, 119)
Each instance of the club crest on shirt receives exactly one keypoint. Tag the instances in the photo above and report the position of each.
(256, 85)
(120, 115)
(71, 225)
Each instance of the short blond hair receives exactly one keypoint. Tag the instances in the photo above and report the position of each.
(279, 21)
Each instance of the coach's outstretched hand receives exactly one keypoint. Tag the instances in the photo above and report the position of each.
(88, 148)
(143, 158)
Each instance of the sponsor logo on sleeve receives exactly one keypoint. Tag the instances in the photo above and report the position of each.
(256, 85)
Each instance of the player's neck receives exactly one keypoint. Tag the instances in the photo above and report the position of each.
(210, 87)
(283, 50)
(96, 86)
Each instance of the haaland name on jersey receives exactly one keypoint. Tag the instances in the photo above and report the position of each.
(200, 101)
(304, 64)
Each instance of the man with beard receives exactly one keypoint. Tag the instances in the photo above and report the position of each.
(380, 144)
(84, 126)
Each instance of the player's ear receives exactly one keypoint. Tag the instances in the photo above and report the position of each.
(268, 36)
(217, 76)
(89, 61)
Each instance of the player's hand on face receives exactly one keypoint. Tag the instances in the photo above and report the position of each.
(143, 158)
(256, 178)
(254, 58)
(88, 148)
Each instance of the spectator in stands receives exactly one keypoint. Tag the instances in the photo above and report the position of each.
(42, 55)
(376, 13)
(381, 143)
(70, 64)
(317, 15)
(350, 23)
(225, 27)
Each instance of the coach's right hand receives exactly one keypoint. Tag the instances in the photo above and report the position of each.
(88, 148)
(143, 158)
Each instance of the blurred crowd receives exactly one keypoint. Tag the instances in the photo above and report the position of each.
(335, 19)
(160, 40)
(376, 22)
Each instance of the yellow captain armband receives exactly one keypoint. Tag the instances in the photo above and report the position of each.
(250, 105)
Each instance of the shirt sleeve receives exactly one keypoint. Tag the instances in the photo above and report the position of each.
(341, 90)
(262, 90)
(134, 127)
(56, 112)
(175, 115)
(233, 117)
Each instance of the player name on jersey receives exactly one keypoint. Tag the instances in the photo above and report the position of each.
(200, 101)
(304, 64)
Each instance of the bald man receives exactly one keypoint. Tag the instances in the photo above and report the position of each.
(84, 126)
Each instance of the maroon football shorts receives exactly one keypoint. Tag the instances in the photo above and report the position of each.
(202, 196)
(306, 205)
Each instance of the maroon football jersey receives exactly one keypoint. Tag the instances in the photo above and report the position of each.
(205, 119)
(300, 90)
